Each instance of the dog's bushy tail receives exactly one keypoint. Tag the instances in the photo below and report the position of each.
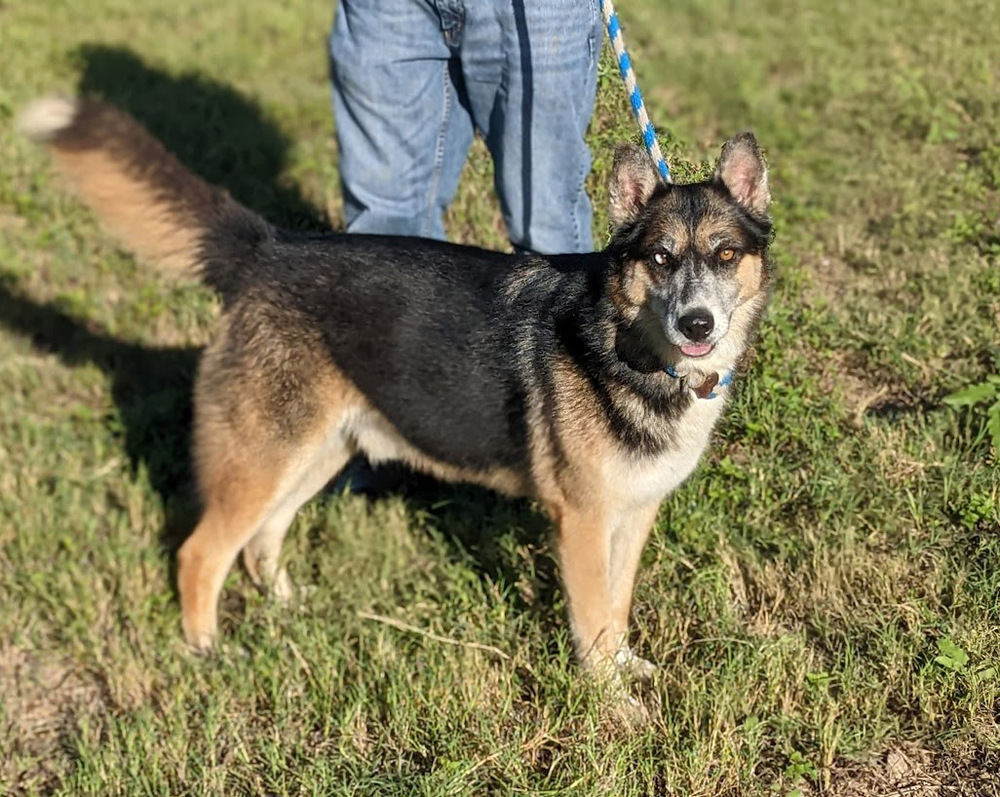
(160, 210)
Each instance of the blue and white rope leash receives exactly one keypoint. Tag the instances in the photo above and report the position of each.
(646, 126)
(634, 95)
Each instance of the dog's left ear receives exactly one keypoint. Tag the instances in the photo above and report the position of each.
(633, 180)
(743, 171)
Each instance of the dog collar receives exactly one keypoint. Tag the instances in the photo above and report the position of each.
(706, 390)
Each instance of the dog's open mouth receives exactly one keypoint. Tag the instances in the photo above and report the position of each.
(697, 349)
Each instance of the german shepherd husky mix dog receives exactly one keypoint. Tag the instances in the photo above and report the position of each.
(590, 383)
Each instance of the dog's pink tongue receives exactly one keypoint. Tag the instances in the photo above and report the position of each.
(696, 349)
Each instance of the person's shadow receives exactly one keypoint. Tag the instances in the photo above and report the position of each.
(226, 139)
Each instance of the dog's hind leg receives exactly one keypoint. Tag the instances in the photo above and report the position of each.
(250, 501)
(269, 405)
(262, 553)
(236, 505)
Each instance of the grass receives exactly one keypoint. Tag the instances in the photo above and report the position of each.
(823, 596)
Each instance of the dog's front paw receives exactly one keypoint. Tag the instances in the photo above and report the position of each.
(633, 665)
(282, 589)
(200, 639)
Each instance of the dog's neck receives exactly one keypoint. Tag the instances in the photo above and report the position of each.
(706, 388)
(643, 347)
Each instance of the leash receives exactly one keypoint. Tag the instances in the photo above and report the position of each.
(632, 87)
(706, 390)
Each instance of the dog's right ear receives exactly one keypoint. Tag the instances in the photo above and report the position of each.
(633, 180)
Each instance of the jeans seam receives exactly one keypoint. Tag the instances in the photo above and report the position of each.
(594, 40)
(582, 183)
(595, 32)
(439, 156)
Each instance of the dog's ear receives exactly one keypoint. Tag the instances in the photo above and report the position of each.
(633, 180)
(743, 172)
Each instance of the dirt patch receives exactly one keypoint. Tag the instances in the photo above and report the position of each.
(42, 698)
(842, 375)
(868, 394)
(832, 278)
(909, 770)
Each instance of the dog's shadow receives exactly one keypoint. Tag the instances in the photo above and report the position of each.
(151, 387)
(213, 130)
(226, 139)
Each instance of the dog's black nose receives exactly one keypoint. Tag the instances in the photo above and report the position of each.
(696, 325)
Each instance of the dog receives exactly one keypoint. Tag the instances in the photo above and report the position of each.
(589, 382)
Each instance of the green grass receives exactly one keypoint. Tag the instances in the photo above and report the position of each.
(823, 596)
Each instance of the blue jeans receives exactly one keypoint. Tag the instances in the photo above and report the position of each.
(413, 80)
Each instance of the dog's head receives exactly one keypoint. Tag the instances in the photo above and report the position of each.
(691, 260)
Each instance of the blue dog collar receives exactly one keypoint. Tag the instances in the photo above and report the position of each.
(724, 379)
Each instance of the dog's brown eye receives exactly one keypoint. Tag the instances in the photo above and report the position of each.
(727, 254)
(660, 258)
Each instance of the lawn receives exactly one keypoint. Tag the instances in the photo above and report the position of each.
(822, 597)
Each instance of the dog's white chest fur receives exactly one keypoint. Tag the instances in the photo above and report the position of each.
(644, 480)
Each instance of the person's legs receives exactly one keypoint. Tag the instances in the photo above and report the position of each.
(533, 100)
(402, 131)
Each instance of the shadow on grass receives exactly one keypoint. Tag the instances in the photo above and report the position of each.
(216, 132)
(499, 538)
(227, 139)
(152, 386)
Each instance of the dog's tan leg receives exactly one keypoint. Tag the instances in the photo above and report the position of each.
(269, 410)
(627, 544)
(234, 511)
(249, 505)
(599, 552)
(584, 545)
(262, 553)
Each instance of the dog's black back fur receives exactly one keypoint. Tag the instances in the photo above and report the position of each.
(419, 325)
